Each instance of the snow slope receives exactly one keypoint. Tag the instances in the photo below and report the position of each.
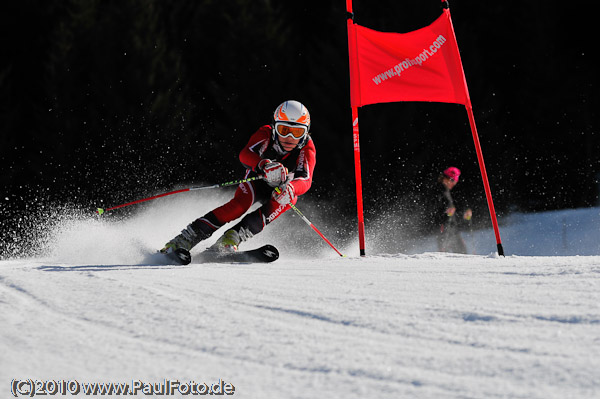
(564, 232)
(311, 325)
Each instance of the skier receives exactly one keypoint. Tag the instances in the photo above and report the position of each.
(443, 213)
(284, 155)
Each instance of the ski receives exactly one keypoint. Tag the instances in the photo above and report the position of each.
(265, 254)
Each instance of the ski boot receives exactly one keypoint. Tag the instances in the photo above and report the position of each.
(184, 241)
(231, 240)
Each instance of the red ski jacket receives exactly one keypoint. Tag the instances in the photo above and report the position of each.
(300, 161)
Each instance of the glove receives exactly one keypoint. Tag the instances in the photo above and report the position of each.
(262, 163)
(468, 214)
(284, 196)
(274, 172)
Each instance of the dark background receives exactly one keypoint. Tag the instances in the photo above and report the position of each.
(104, 102)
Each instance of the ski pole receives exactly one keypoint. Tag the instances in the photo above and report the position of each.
(100, 211)
(311, 225)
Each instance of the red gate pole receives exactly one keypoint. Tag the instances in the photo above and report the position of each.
(469, 107)
(486, 184)
(355, 102)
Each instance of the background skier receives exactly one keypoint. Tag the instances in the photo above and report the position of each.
(446, 217)
(284, 154)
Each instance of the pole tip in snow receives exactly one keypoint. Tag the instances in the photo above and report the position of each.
(500, 250)
(100, 211)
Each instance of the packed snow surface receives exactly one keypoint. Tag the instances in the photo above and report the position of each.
(101, 307)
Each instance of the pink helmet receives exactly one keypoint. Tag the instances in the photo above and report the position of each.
(452, 173)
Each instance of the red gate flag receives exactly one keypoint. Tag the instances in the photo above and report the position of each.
(423, 65)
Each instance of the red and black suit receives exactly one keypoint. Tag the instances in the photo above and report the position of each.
(300, 163)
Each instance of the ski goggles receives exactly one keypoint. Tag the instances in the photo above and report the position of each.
(288, 130)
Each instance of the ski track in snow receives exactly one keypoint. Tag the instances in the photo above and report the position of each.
(425, 325)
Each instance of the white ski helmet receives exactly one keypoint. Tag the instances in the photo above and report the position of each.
(292, 119)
